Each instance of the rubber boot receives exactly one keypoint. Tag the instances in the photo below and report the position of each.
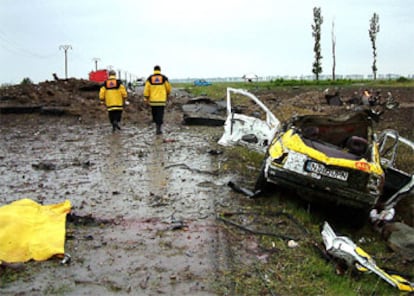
(158, 130)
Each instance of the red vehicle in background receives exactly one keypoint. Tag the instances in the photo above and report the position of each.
(98, 75)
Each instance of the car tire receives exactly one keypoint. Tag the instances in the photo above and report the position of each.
(261, 181)
(352, 217)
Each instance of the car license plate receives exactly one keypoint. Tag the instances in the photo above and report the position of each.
(321, 169)
(295, 162)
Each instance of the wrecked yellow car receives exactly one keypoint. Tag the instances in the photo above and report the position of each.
(337, 160)
(332, 159)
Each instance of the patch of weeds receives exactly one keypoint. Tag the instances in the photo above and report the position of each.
(243, 161)
(405, 159)
(113, 286)
(9, 275)
(57, 289)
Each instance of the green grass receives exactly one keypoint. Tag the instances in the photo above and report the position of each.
(218, 89)
(294, 271)
(291, 271)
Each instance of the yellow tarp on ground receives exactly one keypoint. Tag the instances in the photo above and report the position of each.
(29, 230)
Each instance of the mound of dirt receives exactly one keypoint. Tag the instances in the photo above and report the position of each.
(76, 97)
(80, 98)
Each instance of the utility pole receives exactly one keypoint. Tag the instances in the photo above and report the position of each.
(65, 48)
(95, 60)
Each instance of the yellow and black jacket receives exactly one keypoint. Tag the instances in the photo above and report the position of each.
(114, 94)
(157, 88)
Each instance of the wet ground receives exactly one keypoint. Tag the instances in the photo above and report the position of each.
(143, 206)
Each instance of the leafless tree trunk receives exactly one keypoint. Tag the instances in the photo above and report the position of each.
(333, 51)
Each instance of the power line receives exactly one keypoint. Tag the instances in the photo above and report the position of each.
(15, 48)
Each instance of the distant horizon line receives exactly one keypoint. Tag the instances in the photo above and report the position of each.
(387, 76)
(257, 78)
(252, 76)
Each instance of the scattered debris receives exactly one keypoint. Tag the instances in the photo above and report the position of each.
(204, 111)
(333, 99)
(183, 165)
(45, 166)
(341, 247)
(295, 228)
(66, 259)
(178, 225)
(400, 238)
(88, 220)
(365, 98)
(215, 152)
(292, 244)
(242, 190)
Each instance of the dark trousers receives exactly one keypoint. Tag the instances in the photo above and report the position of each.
(115, 117)
(158, 114)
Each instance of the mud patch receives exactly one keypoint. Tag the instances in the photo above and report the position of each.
(143, 207)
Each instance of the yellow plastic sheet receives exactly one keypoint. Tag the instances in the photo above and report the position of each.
(29, 230)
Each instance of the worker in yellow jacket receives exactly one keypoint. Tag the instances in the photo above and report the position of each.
(114, 94)
(156, 91)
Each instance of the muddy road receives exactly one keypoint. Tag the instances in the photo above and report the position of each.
(143, 206)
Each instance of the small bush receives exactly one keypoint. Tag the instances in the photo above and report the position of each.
(402, 79)
(26, 80)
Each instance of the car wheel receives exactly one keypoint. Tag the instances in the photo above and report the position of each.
(261, 182)
(352, 217)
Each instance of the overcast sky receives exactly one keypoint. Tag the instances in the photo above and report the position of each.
(188, 38)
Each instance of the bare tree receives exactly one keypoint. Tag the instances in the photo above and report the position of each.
(316, 33)
(333, 37)
(374, 28)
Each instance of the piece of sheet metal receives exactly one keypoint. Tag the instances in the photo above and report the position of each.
(344, 248)
(238, 125)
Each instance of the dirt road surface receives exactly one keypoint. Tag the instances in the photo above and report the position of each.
(143, 206)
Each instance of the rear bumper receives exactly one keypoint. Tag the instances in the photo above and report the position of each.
(323, 190)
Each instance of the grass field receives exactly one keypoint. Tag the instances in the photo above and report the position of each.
(218, 88)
